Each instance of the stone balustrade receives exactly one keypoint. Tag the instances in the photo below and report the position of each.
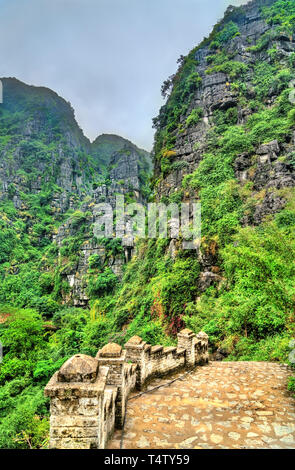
(88, 396)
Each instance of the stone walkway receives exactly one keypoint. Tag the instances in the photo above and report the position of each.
(225, 405)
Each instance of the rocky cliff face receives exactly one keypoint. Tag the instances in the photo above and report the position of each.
(225, 137)
(45, 160)
(219, 91)
(236, 78)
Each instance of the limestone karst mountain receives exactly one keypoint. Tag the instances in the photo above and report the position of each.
(106, 145)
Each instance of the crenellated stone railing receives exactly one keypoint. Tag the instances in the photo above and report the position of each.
(88, 396)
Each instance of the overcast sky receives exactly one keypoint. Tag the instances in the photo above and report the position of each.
(109, 58)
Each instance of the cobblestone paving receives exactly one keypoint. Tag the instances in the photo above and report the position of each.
(231, 405)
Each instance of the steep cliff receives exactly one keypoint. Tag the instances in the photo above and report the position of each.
(225, 138)
(51, 177)
(105, 145)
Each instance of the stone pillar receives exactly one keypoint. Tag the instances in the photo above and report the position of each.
(201, 350)
(186, 340)
(76, 404)
(135, 353)
(113, 356)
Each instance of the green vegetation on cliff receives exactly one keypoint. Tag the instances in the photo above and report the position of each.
(250, 311)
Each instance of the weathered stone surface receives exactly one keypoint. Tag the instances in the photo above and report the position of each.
(79, 368)
(156, 349)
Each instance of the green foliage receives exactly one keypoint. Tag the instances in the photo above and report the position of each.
(263, 42)
(230, 31)
(96, 334)
(194, 117)
(32, 354)
(94, 261)
(292, 59)
(224, 119)
(282, 15)
(272, 348)
(23, 334)
(149, 330)
(153, 289)
(179, 165)
(77, 218)
(269, 81)
(251, 313)
(232, 68)
(23, 406)
(102, 283)
(25, 426)
(113, 246)
(40, 145)
(268, 125)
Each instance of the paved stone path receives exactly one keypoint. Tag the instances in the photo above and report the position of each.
(232, 405)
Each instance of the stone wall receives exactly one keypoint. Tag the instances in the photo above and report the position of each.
(88, 396)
